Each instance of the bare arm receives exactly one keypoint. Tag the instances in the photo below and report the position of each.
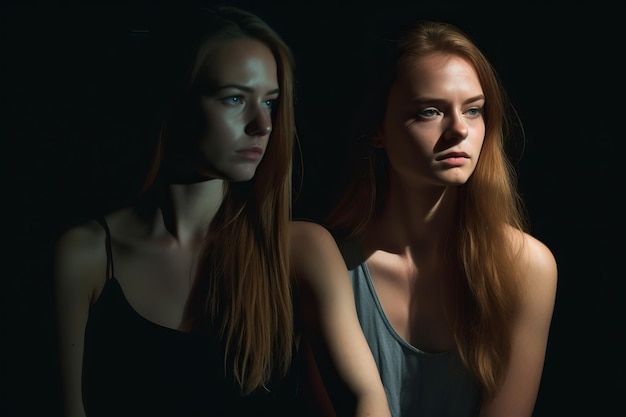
(518, 395)
(320, 267)
(80, 261)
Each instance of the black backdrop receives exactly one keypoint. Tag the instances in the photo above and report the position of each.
(65, 156)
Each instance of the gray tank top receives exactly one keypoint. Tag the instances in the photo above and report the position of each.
(417, 383)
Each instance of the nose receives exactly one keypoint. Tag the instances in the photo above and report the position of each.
(457, 128)
(260, 123)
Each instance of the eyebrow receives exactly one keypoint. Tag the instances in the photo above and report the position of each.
(245, 88)
(422, 100)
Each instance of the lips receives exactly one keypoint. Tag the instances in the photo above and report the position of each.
(253, 153)
(453, 155)
(254, 149)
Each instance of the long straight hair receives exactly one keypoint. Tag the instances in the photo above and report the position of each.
(488, 206)
(243, 288)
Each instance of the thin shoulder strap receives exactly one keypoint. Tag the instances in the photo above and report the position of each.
(105, 226)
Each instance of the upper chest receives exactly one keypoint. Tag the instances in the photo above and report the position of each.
(156, 277)
(416, 298)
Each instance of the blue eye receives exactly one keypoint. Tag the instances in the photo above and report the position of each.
(232, 100)
(430, 112)
(270, 104)
(475, 111)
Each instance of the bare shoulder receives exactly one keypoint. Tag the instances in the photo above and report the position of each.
(310, 241)
(305, 233)
(80, 257)
(314, 252)
(80, 239)
(539, 271)
(84, 245)
(539, 259)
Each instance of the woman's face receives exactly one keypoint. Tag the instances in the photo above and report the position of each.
(434, 128)
(236, 109)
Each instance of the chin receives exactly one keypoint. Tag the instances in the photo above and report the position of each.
(241, 177)
(456, 181)
(235, 175)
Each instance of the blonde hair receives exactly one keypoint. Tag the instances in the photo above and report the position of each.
(488, 204)
(243, 287)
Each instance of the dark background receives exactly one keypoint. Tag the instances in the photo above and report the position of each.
(65, 155)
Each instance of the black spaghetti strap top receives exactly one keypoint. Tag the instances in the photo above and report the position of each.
(107, 244)
(134, 367)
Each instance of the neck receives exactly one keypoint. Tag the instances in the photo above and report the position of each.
(188, 209)
(413, 217)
